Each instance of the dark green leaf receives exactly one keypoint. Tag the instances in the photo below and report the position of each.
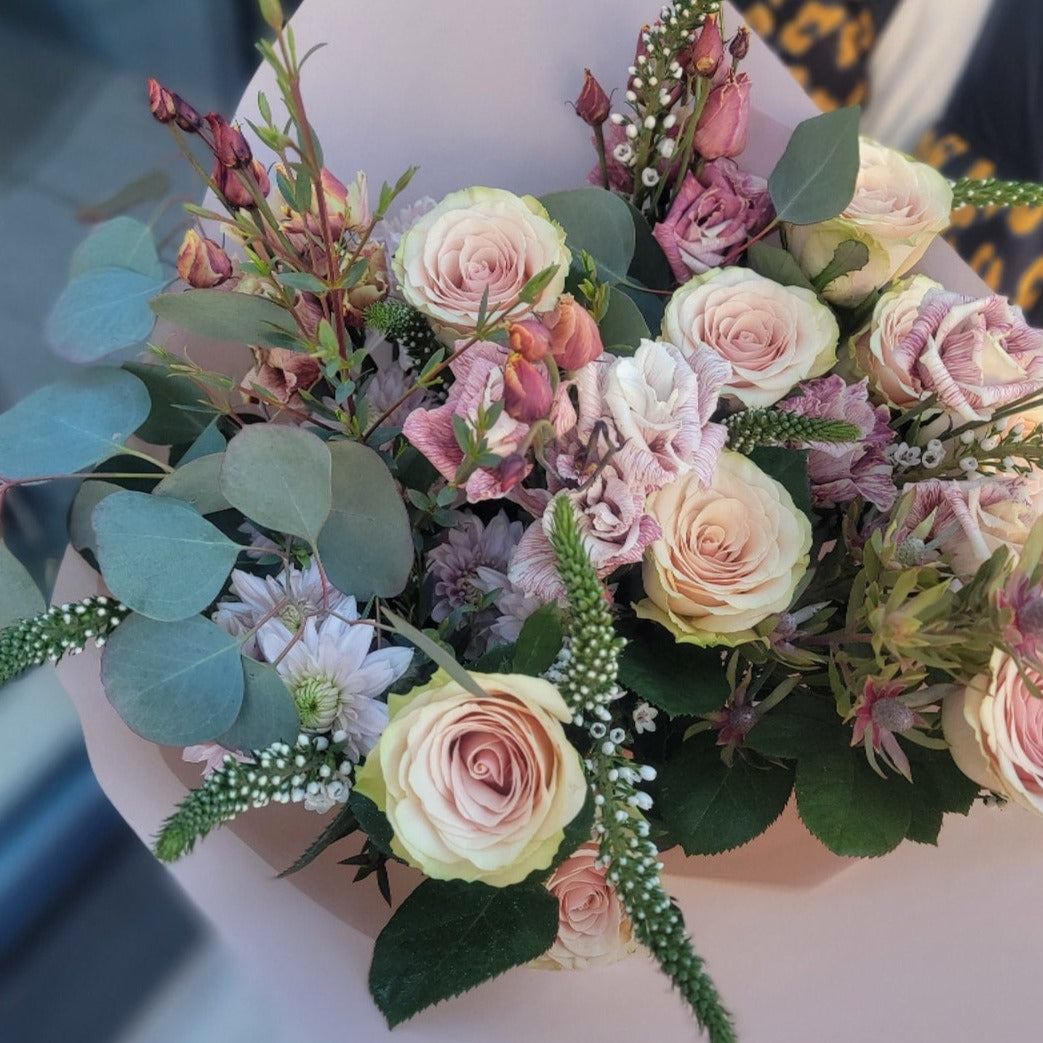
(20, 598)
(801, 724)
(449, 936)
(239, 318)
(622, 326)
(439, 655)
(303, 281)
(268, 713)
(789, 467)
(343, 825)
(710, 807)
(577, 833)
(777, 264)
(815, 178)
(498, 660)
(850, 808)
(539, 641)
(599, 222)
(180, 410)
(849, 256)
(649, 265)
(651, 305)
(372, 821)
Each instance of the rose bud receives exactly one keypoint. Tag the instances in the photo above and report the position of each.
(161, 102)
(511, 471)
(593, 105)
(529, 339)
(724, 122)
(230, 186)
(230, 147)
(574, 335)
(201, 262)
(706, 55)
(527, 394)
(740, 44)
(186, 117)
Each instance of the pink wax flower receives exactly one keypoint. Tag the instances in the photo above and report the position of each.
(724, 122)
(840, 471)
(479, 382)
(712, 214)
(974, 354)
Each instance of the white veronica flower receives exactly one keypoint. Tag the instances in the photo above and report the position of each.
(333, 676)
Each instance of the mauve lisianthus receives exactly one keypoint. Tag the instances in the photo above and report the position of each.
(477, 787)
(974, 355)
(729, 556)
(478, 242)
(840, 471)
(711, 215)
(771, 336)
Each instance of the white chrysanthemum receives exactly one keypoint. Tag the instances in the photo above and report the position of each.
(333, 676)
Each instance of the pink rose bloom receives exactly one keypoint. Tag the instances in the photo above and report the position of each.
(479, 383)
(724, 122)
(840, 471)
(712, 214)
(974, 354)
(593, 927)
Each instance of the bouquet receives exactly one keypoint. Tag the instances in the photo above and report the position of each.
(531, 538)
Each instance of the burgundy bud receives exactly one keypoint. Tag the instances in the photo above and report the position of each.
(740, 44)
(161, 102)
(511, 471)
(230, 147)
(228, 182)
(593, 105)
(527, 394)
(186, 117)
(529, 339)
(201, 262)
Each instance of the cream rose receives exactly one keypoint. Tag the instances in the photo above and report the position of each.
(995, 731)
(898, 208)
(874, 345)
(478, 240)
(593, 927)
(772, 336)
(730, 555)
(476, 788)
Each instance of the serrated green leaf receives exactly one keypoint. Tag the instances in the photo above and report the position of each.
(539, 641)
(449, 936)
(776, 264)
(710, 807)
(789, 467)
(20, 598)
(815, 178)
(850, 808)
(800, 725)
(372, 821)
(268, 713)
(849, 256)
(239, 318)
(342, 825)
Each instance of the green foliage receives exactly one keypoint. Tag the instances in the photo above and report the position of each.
(279, 477)
(158, 556)
(801, 725)
(623, 326)
(710, 807)
(342, 825)
(367, 544)
(599, 222)
(539, 641)
(938, 787)
(849, 256)
(239, 318)
(815, 178)
(371, 820)
(20, 598)
(751, 429)
(174, 683)
(268, 713)
(789, 467)
(776, 264)
(991, 191)
(437, 653)
(449, 936)
(198, 483)
(65, 427)
(81, 527)
(180, 410)
(122, 242)
(649, 265)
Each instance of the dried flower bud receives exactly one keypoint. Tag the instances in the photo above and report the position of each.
(529, 339)
(705, 56)
(593, 104)
(511, 471)
(527, 394)
(201, 262)
(186, 117)
(230, 147)
(161, 102)
(740, 44)
(228, 182)
(574, 336)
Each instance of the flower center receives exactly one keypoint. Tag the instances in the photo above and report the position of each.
(317, 698)
(742, 718)
(892, 715)
(1030, 617)
(292, 617)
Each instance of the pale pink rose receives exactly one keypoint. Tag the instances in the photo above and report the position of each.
(971, 519)
(898, 208)
(477, 787)
(475, 242)
(771, 336)
(875, 344)
(710, 216)
(655, 407)
(479, 383)
(730, 555)
(995, 730)
(593, 927)
(975, 355)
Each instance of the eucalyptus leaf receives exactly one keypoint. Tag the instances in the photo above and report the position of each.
(122, 242)
(449, 936)
(622, 326)
(268, 713)
(366, 546)
(158, 556)
(81, 526)
(436, 653)
(20, 598)
(197, 483)
(239, 318)
(815, 178)
(65, 427)
(599, 222)
(279, 477)
(777, 264)
(180, 410)
(209, 442)
(102, 311)
(173, 683)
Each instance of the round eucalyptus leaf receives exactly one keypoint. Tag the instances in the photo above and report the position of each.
(122, 242)
(159, 556)
(65, 427)
(599, 222)
(197, 483)
(279, 477)
(173, 683)
(20, 597)
(81, 526)
(268, 713)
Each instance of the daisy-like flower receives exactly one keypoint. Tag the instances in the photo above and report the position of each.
(644, 717)
(883, 711)
(334, 678)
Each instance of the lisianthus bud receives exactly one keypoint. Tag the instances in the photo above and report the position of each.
(724, 121)
(230, 147)
(357, 212)
(574, 336)
(234, 191)
(593, 104)
(527, 394)
(529, 339)
(511, 471)
(740, 44)
(201, 262)
(161, 102)
(706, 55)
(186, 117)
